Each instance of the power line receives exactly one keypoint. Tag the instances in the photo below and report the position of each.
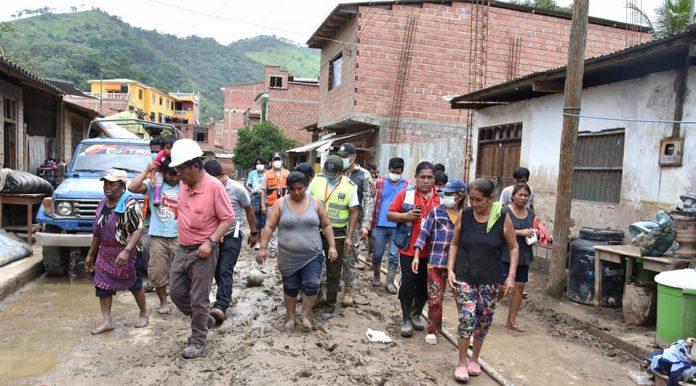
(597, 117)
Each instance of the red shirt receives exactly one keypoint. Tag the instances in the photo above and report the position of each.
(201, 210)
(427, 204)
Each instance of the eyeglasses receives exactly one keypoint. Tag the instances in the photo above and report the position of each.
(182, 167)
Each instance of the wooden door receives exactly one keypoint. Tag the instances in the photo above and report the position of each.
(499, 153)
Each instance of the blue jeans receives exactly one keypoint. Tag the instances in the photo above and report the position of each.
(260, 220)
(306, 277)
(227, 259)
(385, 236)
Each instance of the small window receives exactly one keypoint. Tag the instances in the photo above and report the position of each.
(152, 98)
(152, 116)
(276, 82)
(200, 134)
(598, 166)
(140, 94)
(335, 67)
(160, 101)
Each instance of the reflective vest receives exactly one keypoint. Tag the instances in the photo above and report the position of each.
(336, 200)
(275, 188)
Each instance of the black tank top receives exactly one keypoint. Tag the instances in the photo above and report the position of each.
(479, 255)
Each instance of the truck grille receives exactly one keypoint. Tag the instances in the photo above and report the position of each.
(83, 209)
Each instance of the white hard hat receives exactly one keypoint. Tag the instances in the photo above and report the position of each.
(184, 150)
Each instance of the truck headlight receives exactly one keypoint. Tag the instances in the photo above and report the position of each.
(64, 209)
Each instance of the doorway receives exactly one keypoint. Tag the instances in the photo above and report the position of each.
(499, 153)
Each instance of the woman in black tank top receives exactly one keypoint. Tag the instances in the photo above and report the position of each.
(473, 269)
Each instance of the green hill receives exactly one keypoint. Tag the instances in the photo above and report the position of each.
(78, 46)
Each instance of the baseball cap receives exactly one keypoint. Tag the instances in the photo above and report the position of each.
(455, 186)
(332, 166)
(114, 175)
(276, 155)
(347, 149)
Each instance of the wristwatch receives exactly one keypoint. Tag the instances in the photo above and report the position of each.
(212, 242)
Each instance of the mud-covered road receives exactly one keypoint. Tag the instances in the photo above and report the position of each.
(45, 339)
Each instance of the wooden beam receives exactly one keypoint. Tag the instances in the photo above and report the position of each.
(547, 87)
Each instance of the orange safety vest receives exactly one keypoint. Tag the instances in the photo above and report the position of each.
(275, 188)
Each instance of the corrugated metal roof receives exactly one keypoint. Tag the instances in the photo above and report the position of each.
(29, 75)
(632, 51)
(338, 13)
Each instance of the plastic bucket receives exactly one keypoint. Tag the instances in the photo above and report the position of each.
(676, 306)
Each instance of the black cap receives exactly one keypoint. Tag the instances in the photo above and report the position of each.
(333, 166)
(276, 155)
(347, 149)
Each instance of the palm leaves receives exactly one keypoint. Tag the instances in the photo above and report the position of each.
(671, 16)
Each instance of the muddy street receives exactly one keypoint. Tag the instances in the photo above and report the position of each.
(46, 340)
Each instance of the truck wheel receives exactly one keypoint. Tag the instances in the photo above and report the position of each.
(56, 260)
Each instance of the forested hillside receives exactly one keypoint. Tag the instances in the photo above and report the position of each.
(86, 45)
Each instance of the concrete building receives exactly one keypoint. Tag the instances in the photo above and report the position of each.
(631, 159)
(109, 96)
(387, 66)
(289, 102)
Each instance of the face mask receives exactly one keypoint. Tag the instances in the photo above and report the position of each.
(448, 201)
(394, 177)
(277, 164)
(346, 163)
(332, 181)
(260, 168)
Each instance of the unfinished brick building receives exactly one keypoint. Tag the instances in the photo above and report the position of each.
(390, 66)
(289, 102)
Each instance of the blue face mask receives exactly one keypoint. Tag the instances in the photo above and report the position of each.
(346, 163)
(332, 181)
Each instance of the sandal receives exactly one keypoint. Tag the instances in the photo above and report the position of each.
(461, 374)
(474, 368)
(515, 327)
(431, 339)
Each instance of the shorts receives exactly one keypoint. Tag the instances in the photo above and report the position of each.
(102, 293)
(162, 251)
(521, 276)
(306, 277)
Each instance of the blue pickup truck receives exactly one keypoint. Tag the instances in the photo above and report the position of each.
(66, 217)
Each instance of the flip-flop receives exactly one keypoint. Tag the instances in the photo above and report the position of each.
(515, 327)
(461, 374)
(473, 368)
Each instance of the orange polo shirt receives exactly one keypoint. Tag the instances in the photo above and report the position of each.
(201, 210)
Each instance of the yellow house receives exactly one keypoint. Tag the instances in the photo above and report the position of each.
(156, 105)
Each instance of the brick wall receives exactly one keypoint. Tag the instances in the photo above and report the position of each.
(291, 107)
(440, 59)
(238, 99)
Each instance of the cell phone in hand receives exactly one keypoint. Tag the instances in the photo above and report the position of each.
(417, 208)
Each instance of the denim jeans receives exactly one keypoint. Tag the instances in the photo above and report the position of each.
(385, 236)
(227, 259)
(306, 278)
(260, 220)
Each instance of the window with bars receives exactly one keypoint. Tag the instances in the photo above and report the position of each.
(276, 82)
(599, 166)
(200, 134)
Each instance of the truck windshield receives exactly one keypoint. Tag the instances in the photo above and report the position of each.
(97, 157)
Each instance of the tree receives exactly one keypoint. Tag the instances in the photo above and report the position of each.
(543, 4)
(5, 28)
(671, 17)
(261, 140)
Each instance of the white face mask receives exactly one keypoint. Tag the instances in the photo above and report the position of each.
(448, 201)
(277, 164)
(260, 168)
(394, 177)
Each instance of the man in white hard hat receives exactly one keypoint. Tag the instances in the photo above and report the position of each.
(204, 215)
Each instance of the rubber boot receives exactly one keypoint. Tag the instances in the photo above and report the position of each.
(391, 274)
(418, 305)
(406, 323)
(347, 300)
(156, 195)
(376, 275)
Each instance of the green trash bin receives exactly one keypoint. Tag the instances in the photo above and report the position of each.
(676, 306)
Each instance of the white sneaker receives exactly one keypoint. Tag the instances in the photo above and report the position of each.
(431, 339)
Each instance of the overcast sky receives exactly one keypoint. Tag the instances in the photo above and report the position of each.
(231, 20)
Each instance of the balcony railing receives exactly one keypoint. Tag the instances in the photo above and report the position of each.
(111, 96)
(182, 112)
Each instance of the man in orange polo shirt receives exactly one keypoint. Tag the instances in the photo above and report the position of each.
(204, 215)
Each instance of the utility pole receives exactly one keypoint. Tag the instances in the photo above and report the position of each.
(573, 94)
(691, 12)
(101, 88)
